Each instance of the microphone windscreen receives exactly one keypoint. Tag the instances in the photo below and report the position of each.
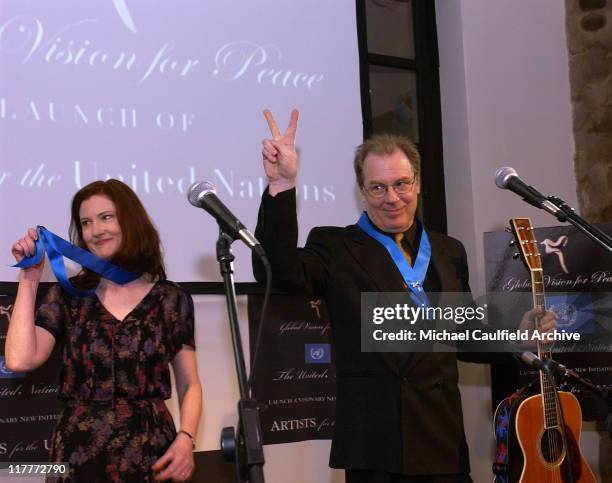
(502, 175)
(197, 190)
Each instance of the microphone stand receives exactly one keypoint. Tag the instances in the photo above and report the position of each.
(568, 376)
(565, 213)
(244, 446)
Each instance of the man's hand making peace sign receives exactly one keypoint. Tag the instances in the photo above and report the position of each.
(279, 154)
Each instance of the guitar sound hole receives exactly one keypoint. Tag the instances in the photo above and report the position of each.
(551, 445)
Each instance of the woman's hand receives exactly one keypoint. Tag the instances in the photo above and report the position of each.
(26, 247)
(177, 463)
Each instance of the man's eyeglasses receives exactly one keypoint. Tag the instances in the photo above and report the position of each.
(401, 187)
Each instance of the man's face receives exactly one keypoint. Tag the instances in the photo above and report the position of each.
(391, 212)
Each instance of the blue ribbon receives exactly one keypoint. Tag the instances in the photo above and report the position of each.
(57, 248)
(413, 276)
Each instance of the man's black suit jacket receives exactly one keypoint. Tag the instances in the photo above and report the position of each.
(400, 415)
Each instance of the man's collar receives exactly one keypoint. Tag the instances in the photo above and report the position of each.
(412, 234)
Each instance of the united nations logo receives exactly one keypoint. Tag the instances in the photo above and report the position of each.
(567, 314)
(6, 373)
(317, 354)
(3, 369)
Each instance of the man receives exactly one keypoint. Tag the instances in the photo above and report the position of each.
(398, 416)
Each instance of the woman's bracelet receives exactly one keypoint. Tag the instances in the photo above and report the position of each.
(189, 435)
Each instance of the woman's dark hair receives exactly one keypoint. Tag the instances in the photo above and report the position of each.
(140, 249)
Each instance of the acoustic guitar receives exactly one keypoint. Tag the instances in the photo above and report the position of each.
(547, 456)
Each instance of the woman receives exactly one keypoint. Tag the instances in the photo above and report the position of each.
(117, 345)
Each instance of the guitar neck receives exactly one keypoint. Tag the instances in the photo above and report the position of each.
(523, 232)
(539, 303)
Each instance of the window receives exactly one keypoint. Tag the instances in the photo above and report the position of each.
(400, 87)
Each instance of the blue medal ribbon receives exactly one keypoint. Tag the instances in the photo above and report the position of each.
(57, 248)
(413, 276)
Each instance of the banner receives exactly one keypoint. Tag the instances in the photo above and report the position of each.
(294, 376)
(577, 273)
(28, 403)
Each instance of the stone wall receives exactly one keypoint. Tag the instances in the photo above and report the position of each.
(589, 38)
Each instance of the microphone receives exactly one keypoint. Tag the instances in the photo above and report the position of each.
(507, 178)
(202, 194)
(530, 359)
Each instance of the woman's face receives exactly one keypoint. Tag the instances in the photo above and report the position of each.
(100, 226)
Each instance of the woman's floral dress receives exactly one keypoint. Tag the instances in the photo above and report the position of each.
(114, 380)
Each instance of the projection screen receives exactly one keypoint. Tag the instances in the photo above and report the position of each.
(164, 93)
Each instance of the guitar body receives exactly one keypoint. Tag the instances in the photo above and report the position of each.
(545, 457)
